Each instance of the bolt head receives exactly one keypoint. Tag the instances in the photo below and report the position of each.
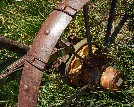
(25, 87)
(47, 32)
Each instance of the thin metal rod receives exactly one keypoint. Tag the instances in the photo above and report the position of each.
(86, 20)
(118, 28)
(110, 21)
(77, 100)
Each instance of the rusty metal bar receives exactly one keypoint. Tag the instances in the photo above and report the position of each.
(11, 45)
(13, 68)
(86, 20)
(41, 49)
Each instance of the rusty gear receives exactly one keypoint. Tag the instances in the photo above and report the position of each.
(75, 66)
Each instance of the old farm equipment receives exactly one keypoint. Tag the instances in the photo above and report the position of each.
(83, 63)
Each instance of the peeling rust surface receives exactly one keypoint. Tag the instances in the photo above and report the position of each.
(49, 35)
(89, 72)
(75, 4)
(66, 9)
(29, 86)
(41, 50)
(110, 77)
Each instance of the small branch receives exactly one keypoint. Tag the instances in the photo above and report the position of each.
(11, 45)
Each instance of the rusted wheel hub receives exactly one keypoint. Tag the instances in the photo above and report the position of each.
(81, 74)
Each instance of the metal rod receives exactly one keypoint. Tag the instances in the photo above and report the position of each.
(86, 20)
(77, 100)
(13, 46)
(118, 28)
(110, 21)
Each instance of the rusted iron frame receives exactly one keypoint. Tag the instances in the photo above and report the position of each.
(15, 66)
(118, 28)
(87, 26)
(109, 25)
(41, 49)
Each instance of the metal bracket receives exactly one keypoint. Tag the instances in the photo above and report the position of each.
(66, 9)
(36, 62)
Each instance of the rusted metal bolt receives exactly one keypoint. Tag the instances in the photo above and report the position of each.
(25, 87)
(47, 32)
(111, 79)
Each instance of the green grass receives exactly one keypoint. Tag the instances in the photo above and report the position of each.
(21, 21)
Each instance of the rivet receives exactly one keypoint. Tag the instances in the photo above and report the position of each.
(25, 87)
(47, 32)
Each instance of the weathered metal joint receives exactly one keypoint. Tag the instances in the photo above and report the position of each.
(66, 9)
(111, 78)
(36, 62)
